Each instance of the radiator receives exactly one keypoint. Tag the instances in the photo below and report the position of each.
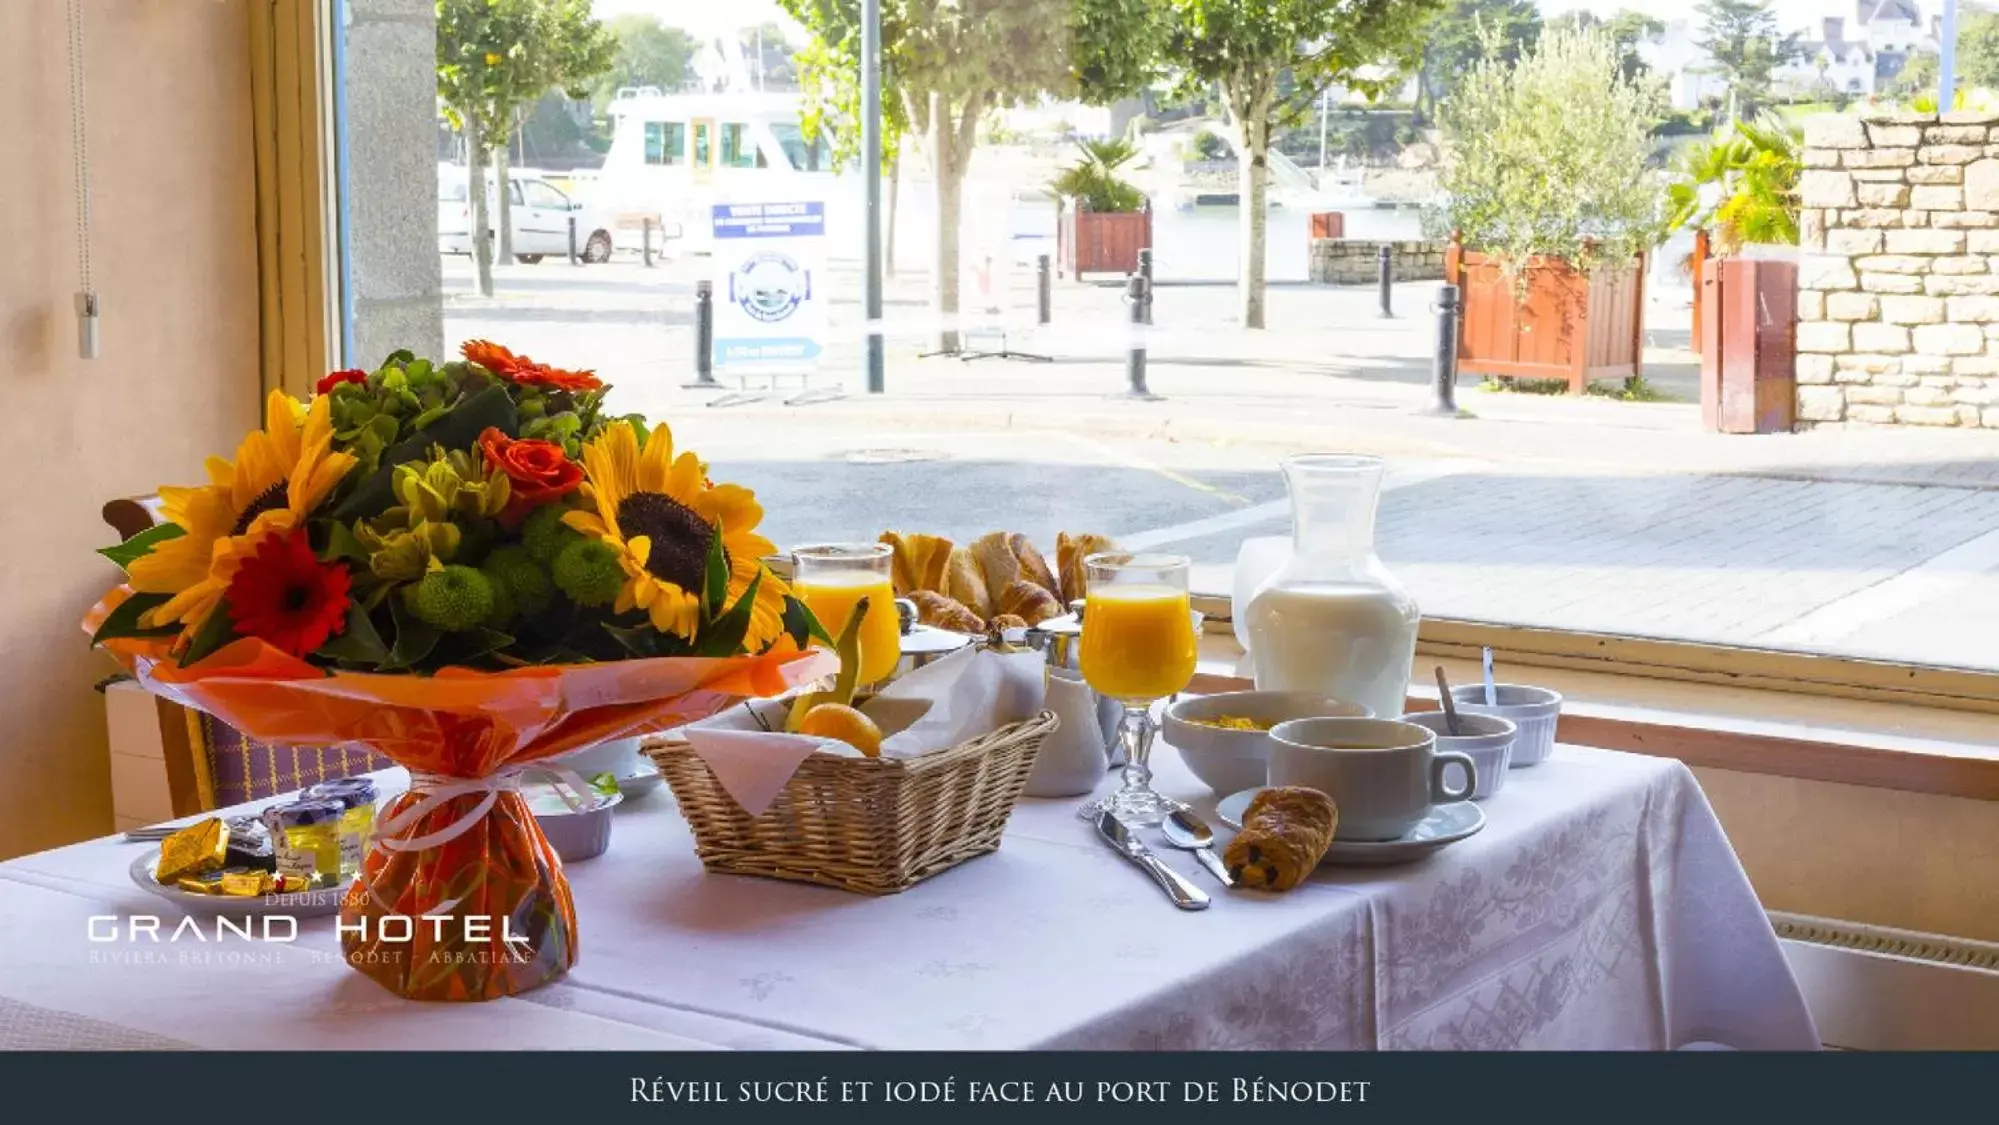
(1873, 988)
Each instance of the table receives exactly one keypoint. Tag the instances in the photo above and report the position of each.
(1601, 907)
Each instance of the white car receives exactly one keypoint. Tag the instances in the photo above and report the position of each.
(541, 213)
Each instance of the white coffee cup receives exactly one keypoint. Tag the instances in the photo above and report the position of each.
(1383, 774)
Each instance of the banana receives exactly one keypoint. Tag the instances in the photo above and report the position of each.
(848, 646)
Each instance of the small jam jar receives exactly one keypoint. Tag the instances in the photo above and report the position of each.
(308, 841)
(357, 823)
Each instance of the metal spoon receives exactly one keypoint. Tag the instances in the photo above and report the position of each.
(1450, 705)
(1190, 833)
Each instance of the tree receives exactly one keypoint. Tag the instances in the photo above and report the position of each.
(1743, 182)
(1741, 36)
(1550, 157)
(1977, 59)
(831, 78)
(949, 61)
(1460, 36)
(1271, 59)
(495, 58)
(648, 53)
(1627, 29)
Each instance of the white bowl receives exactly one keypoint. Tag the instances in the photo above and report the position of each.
(574, 835)
(1535, 710)
(1229, 761)
(1488, 739)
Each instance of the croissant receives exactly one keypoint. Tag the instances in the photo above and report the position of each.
(1285, 832)
(934, 609)
(996, 560)
(1004, 622)
(964, 583)
(1033, 565)
(1029, 602)
(1069, 555)
(919, 561)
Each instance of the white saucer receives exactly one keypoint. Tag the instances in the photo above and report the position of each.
(314, 903)
(1446, 824)
(638, 783)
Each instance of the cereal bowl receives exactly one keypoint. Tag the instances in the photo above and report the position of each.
(1228, 759)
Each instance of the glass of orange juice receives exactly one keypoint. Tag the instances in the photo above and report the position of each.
(1138, 648)
(831, 580)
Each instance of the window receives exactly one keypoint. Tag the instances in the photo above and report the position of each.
(701, 150)
(739, 147)
(542, 195)
(804, 155)
(666, 142)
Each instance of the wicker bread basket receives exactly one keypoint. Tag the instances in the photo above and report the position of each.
(873, 825)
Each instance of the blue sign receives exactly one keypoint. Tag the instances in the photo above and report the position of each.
(773, 316)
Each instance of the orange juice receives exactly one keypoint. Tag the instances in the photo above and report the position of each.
(1138, 641)
(831, 599)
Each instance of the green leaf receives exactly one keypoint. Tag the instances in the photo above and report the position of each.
(124, 621)
(215, 632)
(459, 429)
(639, 640)
(358, 643)
(724, 637)
(141, 545)
(606, 784)
(717, 577)
(341, 543)
(401, 357)
(414, 639)
(802, 625)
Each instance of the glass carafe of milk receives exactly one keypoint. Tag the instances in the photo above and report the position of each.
(1332, 620)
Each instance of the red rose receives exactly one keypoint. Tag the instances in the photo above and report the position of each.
(539, 472)
(351, 375)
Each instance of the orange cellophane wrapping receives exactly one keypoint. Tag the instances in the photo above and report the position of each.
(501, 874)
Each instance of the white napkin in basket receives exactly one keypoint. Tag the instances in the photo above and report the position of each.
(936, 707)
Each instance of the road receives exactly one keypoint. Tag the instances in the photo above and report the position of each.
(1596, 515)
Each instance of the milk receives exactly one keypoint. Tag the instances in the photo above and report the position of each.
(1353, 641)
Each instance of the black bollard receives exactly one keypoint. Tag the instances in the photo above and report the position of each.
(1044, 290)
(704, 338)
(1145, 271)
(645, 240)
(1444, 364)
(1138, 296)
(572, 240)
(1385, 271)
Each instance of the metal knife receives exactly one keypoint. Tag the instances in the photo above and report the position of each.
(1184, 894)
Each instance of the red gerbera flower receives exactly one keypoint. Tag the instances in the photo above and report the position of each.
(520, 369)
(284, 595)
(330, 381)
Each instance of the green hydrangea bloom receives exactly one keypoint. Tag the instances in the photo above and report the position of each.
(544, 534)
(589, 572)
(454, 598)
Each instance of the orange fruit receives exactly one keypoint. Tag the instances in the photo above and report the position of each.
(839, 721)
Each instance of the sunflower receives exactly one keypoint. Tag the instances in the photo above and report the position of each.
(281, 473)
(524, 371)
(659, 513)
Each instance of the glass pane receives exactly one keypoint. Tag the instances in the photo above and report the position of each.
(541, 195)
(701, 144)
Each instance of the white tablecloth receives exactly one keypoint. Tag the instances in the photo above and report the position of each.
(1601, 907)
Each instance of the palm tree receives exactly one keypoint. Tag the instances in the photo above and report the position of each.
(1093, 182)
(1743, 183)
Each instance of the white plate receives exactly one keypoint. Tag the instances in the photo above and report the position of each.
(314, 903)
(1446, 824)
(639, 783)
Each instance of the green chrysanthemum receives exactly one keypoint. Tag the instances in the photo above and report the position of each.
(590, 572)
(524, 584)
(544, 535)
(454, 598)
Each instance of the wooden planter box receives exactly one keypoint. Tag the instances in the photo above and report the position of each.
(1570, 326)
(1748, 345)
(1094, 242)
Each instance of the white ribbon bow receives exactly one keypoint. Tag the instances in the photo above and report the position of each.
(433, 790)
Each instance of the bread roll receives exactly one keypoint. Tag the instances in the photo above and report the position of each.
(1033, 565)
(939, 611)
(964, 583)
(1285, 833)
(1070, 551)
(919, 561)
(1029, 602)
(997, 563)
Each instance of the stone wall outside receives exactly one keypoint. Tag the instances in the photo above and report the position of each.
(1355, 261)
(1898, 297)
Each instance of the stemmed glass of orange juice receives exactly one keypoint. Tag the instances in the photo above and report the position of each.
(831, 580)
(1138, 648)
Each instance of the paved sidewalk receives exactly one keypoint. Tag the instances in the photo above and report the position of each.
(1583, 513)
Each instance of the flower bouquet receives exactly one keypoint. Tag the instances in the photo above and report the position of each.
(470, 568)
